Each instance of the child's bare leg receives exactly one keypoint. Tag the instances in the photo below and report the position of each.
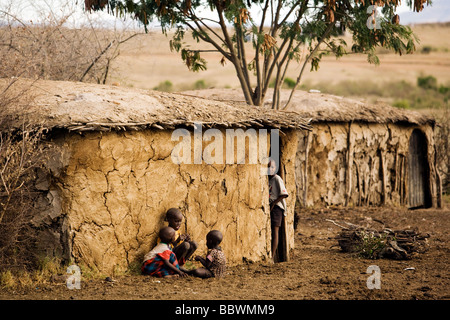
(193, 246)
(202, 273)
(182, 250)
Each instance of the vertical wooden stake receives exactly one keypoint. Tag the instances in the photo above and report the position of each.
(405, 181)
(401, 177)
(349, 164)
(396, 165)
(383, 178)
(358, 182)
(305, 176)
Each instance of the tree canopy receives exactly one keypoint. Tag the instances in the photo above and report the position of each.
(273, 33)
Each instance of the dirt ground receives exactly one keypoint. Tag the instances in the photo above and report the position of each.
(317, 270)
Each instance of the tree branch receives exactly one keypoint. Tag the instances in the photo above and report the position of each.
(322, 39)
(208, 39)
(234, 59)
(96, 59)
(259, 78)
(292, 10)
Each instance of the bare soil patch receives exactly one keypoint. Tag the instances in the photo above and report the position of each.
(318, 269)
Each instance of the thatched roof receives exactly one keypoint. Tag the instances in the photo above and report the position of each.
(89, 107)
(321, 107)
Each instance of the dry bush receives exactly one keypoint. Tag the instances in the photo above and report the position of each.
(50, 48)
(22, 152)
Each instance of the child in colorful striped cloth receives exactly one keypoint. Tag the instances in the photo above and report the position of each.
(161, 261)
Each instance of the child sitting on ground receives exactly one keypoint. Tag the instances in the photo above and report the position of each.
(161, 261)
(183, 246)
(215, 261)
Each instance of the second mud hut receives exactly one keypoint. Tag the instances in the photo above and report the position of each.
(358, 154)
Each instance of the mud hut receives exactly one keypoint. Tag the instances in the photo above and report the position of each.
(112, 174)
(359, 154)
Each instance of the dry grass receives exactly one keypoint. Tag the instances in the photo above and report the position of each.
(22, 278)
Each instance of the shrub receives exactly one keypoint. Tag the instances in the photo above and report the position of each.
(200, 84)
(443, 90)
(22, 153)
(290, 83)
(402, 104)
(427, 49)
(287, 83)
(427, 82)
(164, 86)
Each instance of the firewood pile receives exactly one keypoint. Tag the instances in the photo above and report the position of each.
(385, 243)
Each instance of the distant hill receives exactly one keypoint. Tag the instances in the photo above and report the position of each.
(439, 11)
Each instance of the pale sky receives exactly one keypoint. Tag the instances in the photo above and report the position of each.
(38, 10)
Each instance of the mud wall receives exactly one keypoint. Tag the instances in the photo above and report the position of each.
(289, 143)
(113, 189)
(357, 164)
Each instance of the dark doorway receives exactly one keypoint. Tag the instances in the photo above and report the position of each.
(418, 190)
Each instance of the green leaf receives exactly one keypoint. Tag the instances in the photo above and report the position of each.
(373, 58)
(315, 63)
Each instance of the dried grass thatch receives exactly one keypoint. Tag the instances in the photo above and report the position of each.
(88, 107)
(320, 107)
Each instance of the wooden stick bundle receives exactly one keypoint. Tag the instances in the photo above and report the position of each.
(386, 243)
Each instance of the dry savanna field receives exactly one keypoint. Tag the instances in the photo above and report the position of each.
(317, 268)
(146, 61)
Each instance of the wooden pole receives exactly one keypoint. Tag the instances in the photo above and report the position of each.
(359, 183)
(349, 165)
(383, 178)
(305, 176)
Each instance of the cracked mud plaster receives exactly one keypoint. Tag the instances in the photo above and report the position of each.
(326, 177)
(117, 187)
